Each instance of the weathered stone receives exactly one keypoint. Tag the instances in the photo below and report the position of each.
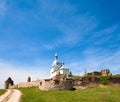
(9, 82)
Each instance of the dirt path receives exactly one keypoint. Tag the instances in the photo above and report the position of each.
(12, 95)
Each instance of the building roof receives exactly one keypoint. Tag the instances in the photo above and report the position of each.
(9, 80)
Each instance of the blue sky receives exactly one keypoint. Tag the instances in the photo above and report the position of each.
(84, 33)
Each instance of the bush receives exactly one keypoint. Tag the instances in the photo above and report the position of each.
(104, 80)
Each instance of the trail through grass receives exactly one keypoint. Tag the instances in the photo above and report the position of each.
(109, 94)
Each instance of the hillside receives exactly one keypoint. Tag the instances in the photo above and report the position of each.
(104, 94)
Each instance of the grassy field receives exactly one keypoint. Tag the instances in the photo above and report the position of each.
(2, 91)
(109, 94)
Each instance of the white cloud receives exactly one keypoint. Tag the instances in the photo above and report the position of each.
(20, 73)
(104, 35)
(72, 33)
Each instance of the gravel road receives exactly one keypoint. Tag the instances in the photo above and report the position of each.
(12, 95)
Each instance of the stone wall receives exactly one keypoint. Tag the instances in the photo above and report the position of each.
(103, 72)
(115, 80)
(56, 85)
(86, 81)
(27, 84)
(47, 84)
(67, 84)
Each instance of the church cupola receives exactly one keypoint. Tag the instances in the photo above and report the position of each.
(55, 62)
(56, 56)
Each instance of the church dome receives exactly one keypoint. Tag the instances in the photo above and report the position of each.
(55, 63)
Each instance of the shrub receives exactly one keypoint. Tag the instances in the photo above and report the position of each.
(104, 80)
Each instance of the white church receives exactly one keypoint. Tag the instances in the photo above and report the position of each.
(58, 68)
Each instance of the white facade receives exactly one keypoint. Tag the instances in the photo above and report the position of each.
(58, 68)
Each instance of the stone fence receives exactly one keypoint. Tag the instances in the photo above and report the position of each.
(26, 85)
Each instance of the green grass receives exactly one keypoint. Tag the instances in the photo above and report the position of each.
(2, 91)
(109, 94)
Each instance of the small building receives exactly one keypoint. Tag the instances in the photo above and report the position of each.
(9, 82)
